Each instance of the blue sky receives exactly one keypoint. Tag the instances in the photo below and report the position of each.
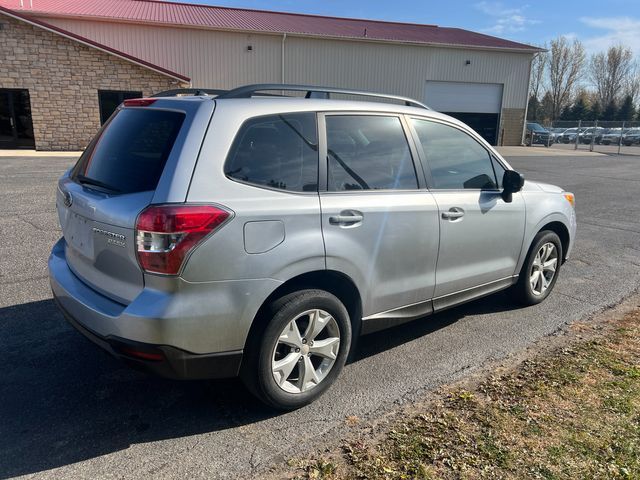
(596, 23)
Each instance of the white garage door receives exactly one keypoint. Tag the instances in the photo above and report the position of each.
(463, 97)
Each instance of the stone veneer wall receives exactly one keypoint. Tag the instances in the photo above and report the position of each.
(512, 122)
(63, 78)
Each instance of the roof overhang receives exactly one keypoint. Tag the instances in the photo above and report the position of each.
(93, 44)
(98, 18)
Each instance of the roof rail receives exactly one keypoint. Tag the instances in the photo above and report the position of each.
(190, 91)
(312, 92)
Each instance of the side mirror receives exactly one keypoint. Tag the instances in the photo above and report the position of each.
(512, 182)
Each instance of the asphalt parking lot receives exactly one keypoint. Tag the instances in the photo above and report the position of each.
(68, 410)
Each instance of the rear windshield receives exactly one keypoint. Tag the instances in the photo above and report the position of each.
(130, 154)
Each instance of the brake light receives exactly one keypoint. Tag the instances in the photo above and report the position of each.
(139, 102)
(165, 234)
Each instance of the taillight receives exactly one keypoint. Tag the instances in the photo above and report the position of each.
(139, 102)
(165, 234)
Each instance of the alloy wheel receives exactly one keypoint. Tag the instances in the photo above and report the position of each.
(544, 268)
(306, 351)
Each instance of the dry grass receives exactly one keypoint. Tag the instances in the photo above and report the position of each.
(569, 414)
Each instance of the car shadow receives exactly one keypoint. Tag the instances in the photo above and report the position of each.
(378, 342)
(63, 400)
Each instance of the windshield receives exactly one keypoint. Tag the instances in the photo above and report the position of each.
(535, 127)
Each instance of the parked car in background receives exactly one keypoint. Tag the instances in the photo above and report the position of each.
(556, 133)
(569, 135)
(537, 135)
(591, 134)
(632, 137)
(612, 136)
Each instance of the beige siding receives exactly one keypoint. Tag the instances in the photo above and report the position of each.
(217, 59)
(403, 69)
(211, 59)
(221, 60)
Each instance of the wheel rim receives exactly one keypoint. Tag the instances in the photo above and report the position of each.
(306, 351)
(543, 269)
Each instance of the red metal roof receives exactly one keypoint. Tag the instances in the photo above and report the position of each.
(39, 23)
(206, 16)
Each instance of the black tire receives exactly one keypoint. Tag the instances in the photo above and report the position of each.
(522, 290)
(256, 372)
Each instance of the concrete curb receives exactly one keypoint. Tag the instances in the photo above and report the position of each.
(545, 152)
(36, 153)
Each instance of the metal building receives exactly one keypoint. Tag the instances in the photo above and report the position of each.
(482, 80)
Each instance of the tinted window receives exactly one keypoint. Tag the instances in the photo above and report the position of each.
(277, 151)
(457, 160)
(109, 100)
(130, 154)
(368, 153)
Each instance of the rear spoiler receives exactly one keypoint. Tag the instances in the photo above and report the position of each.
(199, 92)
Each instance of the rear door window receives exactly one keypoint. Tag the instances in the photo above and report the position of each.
(130, 154)
(276, 151)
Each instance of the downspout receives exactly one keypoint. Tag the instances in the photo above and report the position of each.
(526, 105)
(284, 38)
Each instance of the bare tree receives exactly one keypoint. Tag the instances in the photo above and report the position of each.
(610, 73)
(566, 62)
(538, 70)
(632, 85)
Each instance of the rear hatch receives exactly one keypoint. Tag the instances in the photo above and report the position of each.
(144, 154)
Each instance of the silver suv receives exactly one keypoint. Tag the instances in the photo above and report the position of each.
(256, 235)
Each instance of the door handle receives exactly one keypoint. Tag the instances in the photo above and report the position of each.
(453, 213)
(346, 218)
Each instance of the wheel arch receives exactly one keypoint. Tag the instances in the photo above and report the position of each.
(336, 283)
(562, 231)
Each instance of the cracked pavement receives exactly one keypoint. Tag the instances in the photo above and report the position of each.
(70, 411)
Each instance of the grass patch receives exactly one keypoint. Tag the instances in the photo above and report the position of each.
(572, 413)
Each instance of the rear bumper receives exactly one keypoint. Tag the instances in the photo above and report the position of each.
(163, 360)
(159, 340)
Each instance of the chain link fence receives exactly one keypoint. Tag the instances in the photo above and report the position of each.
(611, 137)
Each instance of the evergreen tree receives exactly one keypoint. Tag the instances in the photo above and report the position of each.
(566, 113)
(580, 109)
(610, 111)
(533, 109)
(627, 110)
(595, 112)
(546, 108)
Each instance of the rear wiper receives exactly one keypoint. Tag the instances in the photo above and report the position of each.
(90, 181)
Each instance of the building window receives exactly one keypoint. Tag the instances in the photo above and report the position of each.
(110, 99)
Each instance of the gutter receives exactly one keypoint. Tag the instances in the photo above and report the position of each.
(526, 105)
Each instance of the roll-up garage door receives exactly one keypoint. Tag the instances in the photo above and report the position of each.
(476, 104)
